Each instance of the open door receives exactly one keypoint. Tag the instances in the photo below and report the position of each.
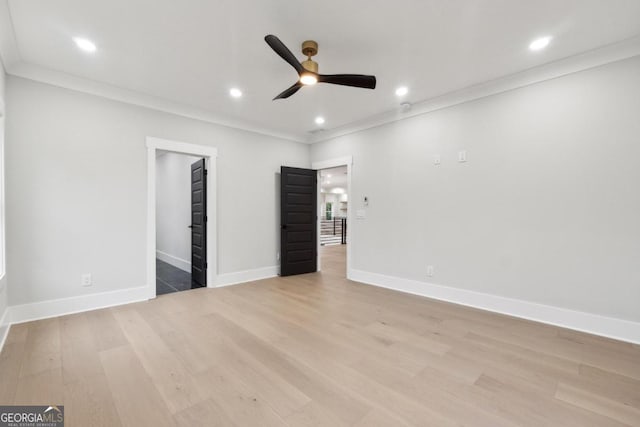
(199, 223)
(298, 201)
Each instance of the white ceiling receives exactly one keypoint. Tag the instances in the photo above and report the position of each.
(333, 178)
(192, 52)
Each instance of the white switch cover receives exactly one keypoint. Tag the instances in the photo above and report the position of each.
(462, 156)
(86, 279)
(436, 159)
(360, 214)
(430, 270)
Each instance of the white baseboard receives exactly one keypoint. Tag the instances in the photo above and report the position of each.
(52, 308)
(180, 263)
(4, 314)
(619, 329)
(237, 277)
(4, 327)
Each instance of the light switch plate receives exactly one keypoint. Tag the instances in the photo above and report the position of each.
(436, 159)
(462, 156)
(86, 279)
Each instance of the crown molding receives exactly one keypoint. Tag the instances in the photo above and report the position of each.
(8, 45)
(594, 58)
(104, 90)
(14, 65)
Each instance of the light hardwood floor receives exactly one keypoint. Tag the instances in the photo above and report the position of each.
(316, 350)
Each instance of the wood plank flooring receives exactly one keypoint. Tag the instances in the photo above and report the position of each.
(316, 350)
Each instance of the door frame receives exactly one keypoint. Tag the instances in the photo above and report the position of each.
(210, 154)
(327, 164)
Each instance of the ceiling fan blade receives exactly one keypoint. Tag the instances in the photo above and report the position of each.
(290, 91)
(355, 80)
(284, 52)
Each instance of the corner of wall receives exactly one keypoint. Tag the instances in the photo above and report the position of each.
(4, 312)
(4, 306)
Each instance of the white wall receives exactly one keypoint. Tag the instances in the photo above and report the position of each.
(3, 77)
(76, 190)
(173, 209)
(341, 208)
(3, 277)
(546, 210)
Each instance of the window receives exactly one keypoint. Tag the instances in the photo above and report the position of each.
(329, 210)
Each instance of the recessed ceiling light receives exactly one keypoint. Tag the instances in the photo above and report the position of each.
(539, 44)
(235, 92)
(402, 91)
(319, 120)
(84, 44)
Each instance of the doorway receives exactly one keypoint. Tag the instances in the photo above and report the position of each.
(334, 216)
(181, 222)
(303, 210)
(334, 220)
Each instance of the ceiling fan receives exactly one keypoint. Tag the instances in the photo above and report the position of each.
(308, 69)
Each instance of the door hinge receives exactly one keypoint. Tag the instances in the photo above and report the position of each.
(206, 172)
(206, 218)
(206, 265)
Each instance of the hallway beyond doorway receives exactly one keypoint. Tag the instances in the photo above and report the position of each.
(334, 260)
(333, 202)
(170, 279)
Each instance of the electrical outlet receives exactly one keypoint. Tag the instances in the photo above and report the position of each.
(436, 159)
(462, 156)
(86, 279)
(430, 270)
(277, 256)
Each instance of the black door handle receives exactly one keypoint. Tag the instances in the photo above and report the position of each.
(190, 226)
(283, 226)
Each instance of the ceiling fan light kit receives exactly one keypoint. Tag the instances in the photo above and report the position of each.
(308, 69)
(309, 77)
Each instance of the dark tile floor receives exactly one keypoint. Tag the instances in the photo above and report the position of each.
(171, 279)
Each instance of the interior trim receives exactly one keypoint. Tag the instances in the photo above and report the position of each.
(210, 154)
(179, 263)
(115, 93)
(5, 325)
(328, 164)
(237, 277)
(573, 64)
(610, 53)
(618, 329)
(77, 304)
